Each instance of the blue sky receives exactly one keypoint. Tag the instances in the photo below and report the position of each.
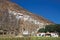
(49, 9)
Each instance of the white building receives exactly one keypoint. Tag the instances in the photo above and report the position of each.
(47, 35)
(40, 34)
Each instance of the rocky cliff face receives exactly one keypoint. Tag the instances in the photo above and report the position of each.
(16, 20)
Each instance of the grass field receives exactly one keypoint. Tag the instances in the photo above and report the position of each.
(31, 38)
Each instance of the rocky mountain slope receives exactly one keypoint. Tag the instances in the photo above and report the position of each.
(14, 20)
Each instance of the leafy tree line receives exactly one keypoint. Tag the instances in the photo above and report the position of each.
(51, 28)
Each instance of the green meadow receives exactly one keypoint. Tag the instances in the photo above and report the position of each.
(32, 38)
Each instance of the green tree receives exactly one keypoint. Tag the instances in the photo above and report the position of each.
(41, 30)
(51, 28)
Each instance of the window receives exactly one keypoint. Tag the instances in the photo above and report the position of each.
(1, 33)
(23, 29)
(39, 34)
